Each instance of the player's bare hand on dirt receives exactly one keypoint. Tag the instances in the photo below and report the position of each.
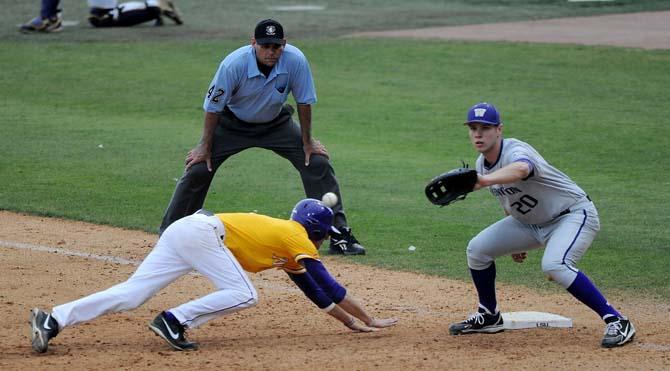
(519, 257)
(197, 155)
(382, 322)
(356, 326)
(314, 148)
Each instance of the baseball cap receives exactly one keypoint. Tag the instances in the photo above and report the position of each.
(483, 113)
(269, 31)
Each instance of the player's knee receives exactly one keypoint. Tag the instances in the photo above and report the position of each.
(477, 259)
(558, 272)
(252, 301)
(253, 298)
(550, 266)
(248, 297)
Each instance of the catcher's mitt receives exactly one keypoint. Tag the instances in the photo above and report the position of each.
(451, 186)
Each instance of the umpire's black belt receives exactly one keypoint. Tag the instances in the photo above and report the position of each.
(285, 112)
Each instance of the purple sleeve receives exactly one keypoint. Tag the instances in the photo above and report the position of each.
(306, 283)
(324, 280)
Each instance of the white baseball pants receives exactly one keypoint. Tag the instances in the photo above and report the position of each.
(191, 243)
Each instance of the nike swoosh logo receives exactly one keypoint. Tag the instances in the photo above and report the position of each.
(174, 336)
(46, 322)
(625, 332)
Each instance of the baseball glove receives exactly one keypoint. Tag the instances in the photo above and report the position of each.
(451, 186)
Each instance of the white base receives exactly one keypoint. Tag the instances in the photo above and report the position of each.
(520, 320)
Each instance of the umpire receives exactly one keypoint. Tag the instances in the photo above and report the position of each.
(244, 108)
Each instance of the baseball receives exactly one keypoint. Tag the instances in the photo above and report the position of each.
(329, 199)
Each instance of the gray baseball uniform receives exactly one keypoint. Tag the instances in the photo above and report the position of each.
(545, 209)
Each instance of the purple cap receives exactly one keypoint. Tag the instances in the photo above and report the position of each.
(483, 113)
(316, 217)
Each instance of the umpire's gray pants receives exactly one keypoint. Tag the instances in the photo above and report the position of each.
(282, 136)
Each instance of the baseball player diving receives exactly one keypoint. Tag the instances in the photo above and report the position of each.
(220, 247)
(544, 207)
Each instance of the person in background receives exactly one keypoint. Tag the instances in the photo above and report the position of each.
(105, 13)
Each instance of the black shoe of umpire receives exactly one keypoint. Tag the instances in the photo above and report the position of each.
(482, 321)
(345, 243)
(172, 331)
(43, 328)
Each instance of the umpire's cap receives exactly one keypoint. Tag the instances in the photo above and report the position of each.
(483, 113)
(269, 31)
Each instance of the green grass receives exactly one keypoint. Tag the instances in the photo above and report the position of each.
(94, 125)
(599, 114)
(216, 20)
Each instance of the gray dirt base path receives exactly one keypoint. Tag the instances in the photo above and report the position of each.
(646, 30)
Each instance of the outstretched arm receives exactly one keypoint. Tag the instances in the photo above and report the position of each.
(319, 297)
(203, 151)
(320, 287)
(511, 173)
(311, 146)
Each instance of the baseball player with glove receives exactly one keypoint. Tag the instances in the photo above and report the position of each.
(220, 247)
(544, 208)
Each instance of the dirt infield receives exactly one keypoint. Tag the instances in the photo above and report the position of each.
(285, 331)
(646, 30)
(45, 262)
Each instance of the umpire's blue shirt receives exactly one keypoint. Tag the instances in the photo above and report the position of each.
(251, 96)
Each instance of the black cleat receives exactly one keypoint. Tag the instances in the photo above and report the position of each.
(482, 321)
(618, 333)
(42, 328)
(345, 243)
(172, 331)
